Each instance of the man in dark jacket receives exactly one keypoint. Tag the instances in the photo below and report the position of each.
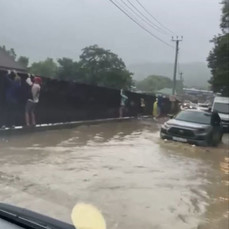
(13, 85)
(215, 119)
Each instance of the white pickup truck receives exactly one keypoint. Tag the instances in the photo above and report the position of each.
(221, 105)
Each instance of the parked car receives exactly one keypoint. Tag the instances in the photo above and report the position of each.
(188, 105)
(221, 105)
(204, 106)
(195, 127)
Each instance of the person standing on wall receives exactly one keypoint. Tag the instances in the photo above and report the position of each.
(155, 109)
(142, 107)
(123, 102)
(13, 85)
(159, 106)
(33, 99)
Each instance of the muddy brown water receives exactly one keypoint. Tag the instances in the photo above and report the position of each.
(133, 177)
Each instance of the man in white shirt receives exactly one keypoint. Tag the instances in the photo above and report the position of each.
(33, 99)
(123, 102)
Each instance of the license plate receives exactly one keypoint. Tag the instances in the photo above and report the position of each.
(179, 139)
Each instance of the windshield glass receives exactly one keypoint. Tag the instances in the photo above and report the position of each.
(88, 97)
(222, 108)
(193, 116)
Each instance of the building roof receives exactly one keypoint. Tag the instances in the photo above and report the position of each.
(7, 62)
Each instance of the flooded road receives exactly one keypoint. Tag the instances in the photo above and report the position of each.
(133, 177)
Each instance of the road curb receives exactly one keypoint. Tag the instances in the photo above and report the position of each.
(56, 126)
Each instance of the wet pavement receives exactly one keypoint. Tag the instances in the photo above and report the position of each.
(133, 177)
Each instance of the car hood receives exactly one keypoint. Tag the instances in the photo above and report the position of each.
(183, 124)
(224, 116)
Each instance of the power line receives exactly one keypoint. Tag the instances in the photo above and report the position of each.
(144, 8)
(136, 22)
(145, 18)
(139, 15)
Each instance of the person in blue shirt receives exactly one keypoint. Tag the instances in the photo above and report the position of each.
(12, 97)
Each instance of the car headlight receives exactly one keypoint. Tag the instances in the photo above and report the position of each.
(165, 126)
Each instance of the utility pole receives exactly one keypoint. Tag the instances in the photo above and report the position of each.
(177, 40)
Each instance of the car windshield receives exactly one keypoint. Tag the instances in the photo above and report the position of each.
(87, 90)
(193, 116)
(222, 108)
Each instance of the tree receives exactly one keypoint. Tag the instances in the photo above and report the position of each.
(154, 83)
(9, 52)
(103, 68)
(69, 70)
(218, 59)
(23, 61)
(225, 17)
(47, 68)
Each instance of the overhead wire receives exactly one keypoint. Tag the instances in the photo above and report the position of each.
(139, 24)
(144, 18)
(150, 14)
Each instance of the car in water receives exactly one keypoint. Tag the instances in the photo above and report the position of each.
(221, 105)
(194, 127)
(188, 105)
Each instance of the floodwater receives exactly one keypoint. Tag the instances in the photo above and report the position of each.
(133, 177)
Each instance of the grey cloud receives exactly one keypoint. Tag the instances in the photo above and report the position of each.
(57, 28)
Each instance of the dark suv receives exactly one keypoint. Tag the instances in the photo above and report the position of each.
(195, 127)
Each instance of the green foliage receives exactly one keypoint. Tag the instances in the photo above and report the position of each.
(103, 68)
(218, 59)
(225, 17)
(97, 66)
(9, 52)
(23, 61)
(69, 70)
(154, 83)
(45, 68)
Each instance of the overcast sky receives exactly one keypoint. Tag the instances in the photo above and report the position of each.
(61, 28)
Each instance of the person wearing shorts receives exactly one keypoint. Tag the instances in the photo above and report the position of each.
(33, 99)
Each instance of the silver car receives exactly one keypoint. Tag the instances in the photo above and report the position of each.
(195, 127)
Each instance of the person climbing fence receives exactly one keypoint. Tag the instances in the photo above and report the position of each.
(33, 99)
(123, 103)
